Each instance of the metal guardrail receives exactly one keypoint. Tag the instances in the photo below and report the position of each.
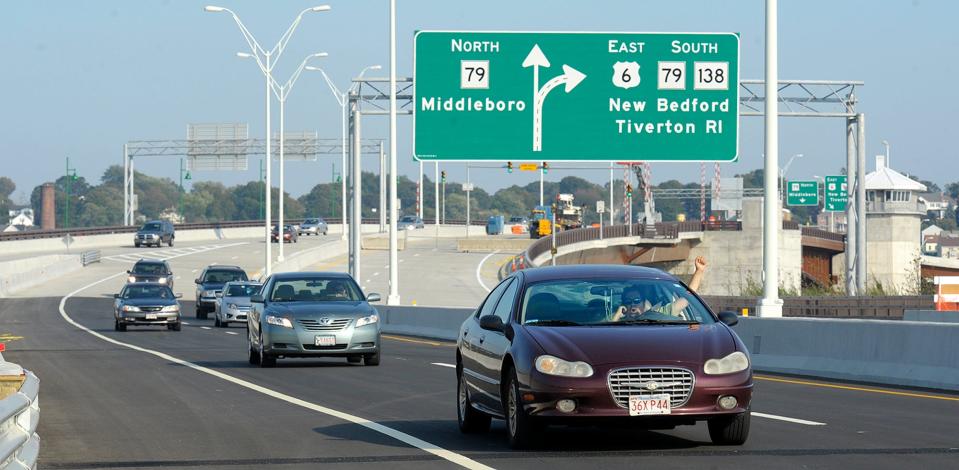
(19, 416)
(90, 257)
(78, 232)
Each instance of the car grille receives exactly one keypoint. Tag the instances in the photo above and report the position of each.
(313, 347)
(243, 308)
(150, 309)
(678, 383)
(314, 325)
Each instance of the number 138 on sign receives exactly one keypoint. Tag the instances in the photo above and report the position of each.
(711, 76)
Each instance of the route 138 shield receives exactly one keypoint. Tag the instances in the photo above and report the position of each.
(626, 74)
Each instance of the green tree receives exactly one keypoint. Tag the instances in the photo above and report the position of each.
(7, 187)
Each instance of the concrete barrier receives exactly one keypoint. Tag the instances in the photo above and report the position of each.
(915, 354)
(931, 316)
(427, 322)
(20, 274)
(487, 244)
(302, 260)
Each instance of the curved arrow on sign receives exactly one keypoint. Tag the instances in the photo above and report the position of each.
(570, 78)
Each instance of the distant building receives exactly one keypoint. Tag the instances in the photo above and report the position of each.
(949, 247)
(832, 221)
(930, 245)
(21, 217)
(936, 204)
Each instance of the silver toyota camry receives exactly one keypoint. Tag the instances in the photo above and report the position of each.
(313, 314)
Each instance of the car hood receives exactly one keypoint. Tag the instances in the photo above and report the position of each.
(211, 286)
(148, 276)
(154, 232)
(635, 343)
(239, 301)
(323, 309)
(148, 302)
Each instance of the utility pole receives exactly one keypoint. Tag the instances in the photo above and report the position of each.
(771, 305)
(260, 194)
(71, 175)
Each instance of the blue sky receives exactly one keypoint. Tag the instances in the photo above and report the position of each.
(80, 78)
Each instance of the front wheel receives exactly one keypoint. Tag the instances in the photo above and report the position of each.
(266, 360)
(372, 359)
(175, 327)
(254, 354)
(521, 428)
(171, 242)
(470, 419)
(731, 430)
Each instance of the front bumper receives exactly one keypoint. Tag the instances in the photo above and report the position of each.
(594, 399)
(146, 239)
(206, 302)
(233, 316)
(299, 342)
(148, 318)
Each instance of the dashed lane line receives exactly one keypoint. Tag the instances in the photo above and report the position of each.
(443, 364)
(787, 419)
(408, 439)
(231, 332)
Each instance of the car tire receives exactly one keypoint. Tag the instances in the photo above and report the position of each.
(470, 420)
(136, 244)
(521, 428)
(175, 327)
(201, 313)
(216, 321)
(121, 327)
(266, 360)
(372, 359)
(730, 430)
(254, 354)
(116, 325)
(171, 242)
(354, 359)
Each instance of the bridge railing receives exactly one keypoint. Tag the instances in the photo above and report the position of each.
(19, 416)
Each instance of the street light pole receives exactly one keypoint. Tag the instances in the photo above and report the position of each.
(394, 297)
(782, 175)
(266, 64)
(771, 305)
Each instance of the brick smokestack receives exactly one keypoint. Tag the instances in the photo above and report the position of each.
(48, 204)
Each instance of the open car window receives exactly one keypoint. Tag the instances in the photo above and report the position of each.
(594, 302)
(315, 289)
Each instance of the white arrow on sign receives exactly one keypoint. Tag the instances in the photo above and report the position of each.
(570, 78)
(802, 200)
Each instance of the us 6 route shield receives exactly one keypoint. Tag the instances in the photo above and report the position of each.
(576, 96)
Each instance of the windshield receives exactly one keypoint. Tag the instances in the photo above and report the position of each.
(147, 292)
(242, 291)
(594, 302)
(515, 219)
(311, 221)
(408, 219)
(315, 289)
(151, 227)
(149, 268)
(222, 276)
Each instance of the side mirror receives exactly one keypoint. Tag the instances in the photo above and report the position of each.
(729, 318)
(373, 297)
(116, 296)
(178, 295)
(129, 271)
(196, 281)
(256, 298)
(491, 322)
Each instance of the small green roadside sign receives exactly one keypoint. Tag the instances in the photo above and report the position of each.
(836, 194)
(802, 193)
(590, 96)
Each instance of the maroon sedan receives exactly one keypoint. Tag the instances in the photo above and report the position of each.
(592, 344)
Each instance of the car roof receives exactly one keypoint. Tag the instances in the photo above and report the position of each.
(243, 283)
(223, 267)
(303, 274)
(151, 261)
(594, 271)
(147, 284)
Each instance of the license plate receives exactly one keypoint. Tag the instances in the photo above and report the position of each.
(151, 316)
(325, 340)
(650, 405)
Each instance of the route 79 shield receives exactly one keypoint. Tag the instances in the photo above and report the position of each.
(626, 74)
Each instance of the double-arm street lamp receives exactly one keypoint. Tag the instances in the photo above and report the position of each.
(266, 59)
(341, 99)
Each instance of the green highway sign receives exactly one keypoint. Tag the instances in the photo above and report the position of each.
(836, 195)
(802, 193)
(552, 96)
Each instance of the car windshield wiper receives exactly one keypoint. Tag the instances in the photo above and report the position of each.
(650, 321)
(552, 323)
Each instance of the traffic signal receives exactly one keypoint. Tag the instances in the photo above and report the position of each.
(629, 190)
(509, 167)
(443, 176)
(545, 167)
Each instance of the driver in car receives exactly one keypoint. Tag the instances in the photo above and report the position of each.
(636, 304)
(338, 290)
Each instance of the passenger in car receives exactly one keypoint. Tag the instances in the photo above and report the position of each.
(636, 302)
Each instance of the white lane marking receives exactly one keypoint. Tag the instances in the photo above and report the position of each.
(416, 254)
(367, 281)
(385, 267)
(787, 419)
(193, 271)
(206, 327)
(403, 437)
(479, 267)
(376, 274)
(235, 257)
(185, 323)
(443, 364)
(402, 260)
(231, 332)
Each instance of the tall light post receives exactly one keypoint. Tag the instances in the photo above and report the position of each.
(394, 297)
(771, 305)
(266, 60)
(341, 99)
(885, 143)
(782, 175)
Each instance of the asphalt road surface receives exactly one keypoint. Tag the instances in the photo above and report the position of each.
(152, 398)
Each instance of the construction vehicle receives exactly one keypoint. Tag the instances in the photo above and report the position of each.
(540, 222)
(568, 216)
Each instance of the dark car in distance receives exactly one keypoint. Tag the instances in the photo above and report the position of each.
(210, 284)
(561, 345)
(154, 233)
(146, 304)
(290, 234)
(151, 270)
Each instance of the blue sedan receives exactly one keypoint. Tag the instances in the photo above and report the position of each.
(313, 314)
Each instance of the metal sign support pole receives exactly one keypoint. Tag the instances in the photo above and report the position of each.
(356, 186)
(126, 193)
(770, 305)
(382, 203)
(861, 207)
(852, 223)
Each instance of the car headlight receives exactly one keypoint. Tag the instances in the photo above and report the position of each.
(162, 280)
(132, 279)
(279, 321)
(130, 308)
(231, 307)
(208, 293)
(369, 320)
(170, 309)
(735, 362)
(552, 365)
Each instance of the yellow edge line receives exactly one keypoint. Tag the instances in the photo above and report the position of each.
(418, 341)
(858, 389)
